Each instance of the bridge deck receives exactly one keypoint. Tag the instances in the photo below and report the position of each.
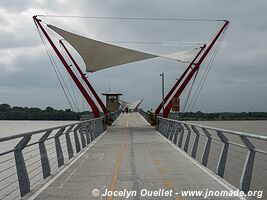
(132, 156)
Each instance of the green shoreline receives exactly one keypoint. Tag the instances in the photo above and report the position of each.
(25, 113)
(219, 116)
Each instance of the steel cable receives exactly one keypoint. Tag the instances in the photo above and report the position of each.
(7, 168)
(200, 86)
(8, 176)
(6, 186)
(62, 79)
(8, 194)
(132, 18)
(53, 65)
(6, 160)
(72, 88)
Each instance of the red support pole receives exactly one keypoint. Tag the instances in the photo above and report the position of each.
(191, 74)
(104, 109)
(179, 80)
(73, 76)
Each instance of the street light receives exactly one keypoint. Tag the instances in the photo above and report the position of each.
(162, 88)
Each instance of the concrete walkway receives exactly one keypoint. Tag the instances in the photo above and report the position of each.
(131, 157)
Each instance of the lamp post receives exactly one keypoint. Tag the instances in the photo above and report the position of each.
(162, 88)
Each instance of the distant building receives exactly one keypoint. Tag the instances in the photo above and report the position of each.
(112, 100)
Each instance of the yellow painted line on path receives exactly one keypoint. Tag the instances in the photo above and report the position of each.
(169, 183)
(162, 170)
(118, 162)
(157, 162)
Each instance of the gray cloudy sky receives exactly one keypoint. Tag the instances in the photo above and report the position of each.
(236, 82)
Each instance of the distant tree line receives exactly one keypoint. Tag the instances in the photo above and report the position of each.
(24, 113)
(221, 116)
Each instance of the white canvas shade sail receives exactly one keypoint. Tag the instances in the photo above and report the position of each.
(130, 105)
(99, 55)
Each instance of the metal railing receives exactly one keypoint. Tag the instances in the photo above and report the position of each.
(28, 158)
(114, 115)
(180, 133)
(144, 114)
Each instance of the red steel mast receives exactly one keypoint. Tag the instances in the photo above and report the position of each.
(179, 81)
(73, 76)
(103, 107)
(194, 70)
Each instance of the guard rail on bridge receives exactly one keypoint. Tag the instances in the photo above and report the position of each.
(22, 166)
(114, 115)
(180, 133)
(144, 114)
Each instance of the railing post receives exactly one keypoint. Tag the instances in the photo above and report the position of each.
(177, 129)
(157, 124)
(100, 124)
(91, 131)
(103, 125)
(44, 157)
(246, 175)
(165, 128)
(180, 142)
(86, 132)
(60, 157)
(194, 149)
(76, 138)
(168, 128)
(186, 144)
(68, 142)
(97, 127)
(205, 155)
(160, 125)
(223, 156)
(173, 128)
(23, 177)
(81, 131)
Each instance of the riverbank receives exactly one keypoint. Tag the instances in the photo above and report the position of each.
(222, 116)
(25, 113)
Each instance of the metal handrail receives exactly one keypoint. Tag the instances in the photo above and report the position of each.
(114, 115)
(144, 114)
(239, 133)
(179, 132)
(84, 132)
(2, 139)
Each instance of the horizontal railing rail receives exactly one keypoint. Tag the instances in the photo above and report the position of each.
(28, 158)
(114, 115)
(144, 114)
(180, 133)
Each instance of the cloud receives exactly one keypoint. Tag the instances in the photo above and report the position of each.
(237, 81)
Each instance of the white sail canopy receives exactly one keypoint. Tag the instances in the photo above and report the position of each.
(130, 105)
(99, 55)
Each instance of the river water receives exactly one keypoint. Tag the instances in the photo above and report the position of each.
(236, 156)
(234, 164)
(8, 127)
(256, 127)
(8, 178)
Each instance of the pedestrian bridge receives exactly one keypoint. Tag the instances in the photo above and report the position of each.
(128, 160)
